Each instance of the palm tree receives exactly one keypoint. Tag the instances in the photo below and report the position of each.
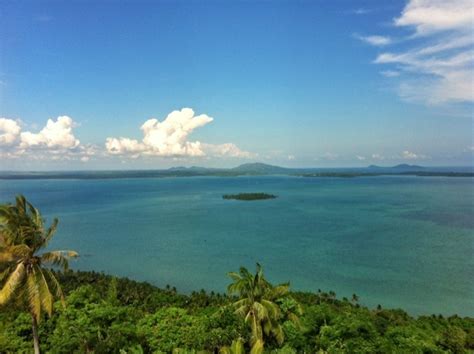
(237, 347)
(23, 277)
(258, 305)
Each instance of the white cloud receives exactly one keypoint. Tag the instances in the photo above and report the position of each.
(120, 146)
(390, 73)
(330, 156)
(226, 150)
(409, 155)
(360, 158)
(56, 141)
(378, 41)
(166, 138)
(56, 134)
(437, 64)
(377, 157)
(291, 157)
(362, 11)
(428, 16)
(169, 138)
(9, 131)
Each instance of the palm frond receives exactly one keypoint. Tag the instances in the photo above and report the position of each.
(5, 272)
(272, 309)
(257, 347)
(14, 252)
(12, 283)
(34, 301)
(237, 346)
(58, 292)
(58, 258)
(261, 312)
(44, 292)
(280, 290)
(6, 257)
(50, 231)
(278, 333)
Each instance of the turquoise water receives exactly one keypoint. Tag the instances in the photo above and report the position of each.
(396, 241)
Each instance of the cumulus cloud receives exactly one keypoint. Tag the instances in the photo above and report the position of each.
(436, 64)
(56, 134)
(120, 146)
(360, 158)
(9, 131)
(409, 155)
(169, 138)
(226, 150)
(378, 41)
(55, 141)
(377, 157)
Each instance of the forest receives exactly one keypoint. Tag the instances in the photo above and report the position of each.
(105, 314)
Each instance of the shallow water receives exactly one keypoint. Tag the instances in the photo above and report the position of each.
(396, 241)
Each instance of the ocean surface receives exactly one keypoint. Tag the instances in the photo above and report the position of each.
(397, 241)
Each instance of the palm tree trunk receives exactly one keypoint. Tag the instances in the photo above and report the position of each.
(35, 334)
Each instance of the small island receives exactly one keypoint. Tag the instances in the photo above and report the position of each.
(249, 196)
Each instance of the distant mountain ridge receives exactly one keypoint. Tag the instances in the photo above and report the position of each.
(259, 167)
(400, 167)
(247, 169)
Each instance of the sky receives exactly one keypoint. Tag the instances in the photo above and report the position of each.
(154, 84)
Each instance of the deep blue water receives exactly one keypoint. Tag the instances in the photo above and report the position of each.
(396, 241)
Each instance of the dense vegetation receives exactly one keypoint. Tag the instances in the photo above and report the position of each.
(24, 263)
(105, 315)
(249, 196)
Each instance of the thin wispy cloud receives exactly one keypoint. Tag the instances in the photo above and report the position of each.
(431, 16)
(327, 156)
(361, 11)
(390, 73)
(43, 18)
(436, 65)
(378, 41)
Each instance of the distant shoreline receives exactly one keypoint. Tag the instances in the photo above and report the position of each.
(163, 174)
(251, 169)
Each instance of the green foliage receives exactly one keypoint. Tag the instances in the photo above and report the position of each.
(104, 315)
(262, 306)
(249, 196)
(25, 278)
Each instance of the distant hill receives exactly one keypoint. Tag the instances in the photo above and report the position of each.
(400, 167)
(260, 168)
(193, 169)
(247, 169)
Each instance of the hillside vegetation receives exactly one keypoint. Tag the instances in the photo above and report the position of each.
(104, 314)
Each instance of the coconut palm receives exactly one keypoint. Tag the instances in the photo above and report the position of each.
(237, 347)
(258, 304)
(24, 278)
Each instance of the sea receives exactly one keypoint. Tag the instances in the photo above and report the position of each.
(398, 241)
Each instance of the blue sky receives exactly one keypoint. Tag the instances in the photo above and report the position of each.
(295, 83)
